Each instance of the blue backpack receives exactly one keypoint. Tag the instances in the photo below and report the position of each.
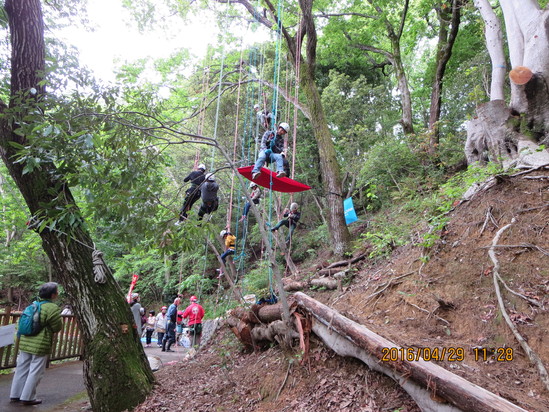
(29, 322)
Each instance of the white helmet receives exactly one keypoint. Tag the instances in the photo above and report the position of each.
(223, 233)
(202, 166)
(256, 106)
(293, 207)
(211, 177)
(285, 126)
(253, 184)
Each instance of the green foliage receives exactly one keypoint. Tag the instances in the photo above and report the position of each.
(256, 280)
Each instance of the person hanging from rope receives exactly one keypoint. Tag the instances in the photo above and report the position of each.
(255, 195)
(195, 313)
(192, 194)
(291, 217)
(208, 192)
(230, 241)
(272, 147)
(264, 117)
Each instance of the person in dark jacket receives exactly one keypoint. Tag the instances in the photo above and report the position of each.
(208, 193)
(169, 339)
(291, 217)
(34, 350)
(192, 194)
(272, 149)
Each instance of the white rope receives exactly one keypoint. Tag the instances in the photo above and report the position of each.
(99, 267)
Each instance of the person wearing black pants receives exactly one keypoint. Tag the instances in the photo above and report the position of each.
(169, 339)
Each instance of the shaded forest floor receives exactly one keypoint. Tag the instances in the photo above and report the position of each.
(447, 299)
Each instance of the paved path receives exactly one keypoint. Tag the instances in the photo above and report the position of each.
(65, 381)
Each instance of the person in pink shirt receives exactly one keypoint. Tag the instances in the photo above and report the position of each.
(195, 313)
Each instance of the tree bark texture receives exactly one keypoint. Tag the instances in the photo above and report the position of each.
(449, 25)
(489, 138)
(494, 44)
(329, 167)
(117, 374)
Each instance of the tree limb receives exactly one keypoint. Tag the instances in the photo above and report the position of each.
(533, 356)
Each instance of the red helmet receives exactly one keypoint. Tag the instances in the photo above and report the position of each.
(194, 299)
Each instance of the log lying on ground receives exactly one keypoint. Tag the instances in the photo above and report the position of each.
(270, 332)
(424, 381)
(326, 282)
(294, 286)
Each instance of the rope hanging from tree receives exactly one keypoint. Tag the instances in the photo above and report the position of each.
(99, 267)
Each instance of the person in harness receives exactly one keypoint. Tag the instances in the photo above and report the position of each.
(255, 195)
(195, 313)
(291, 217)
(208, 191)
(272, 149)
(230, 241)
(192, 194)
(264, 117)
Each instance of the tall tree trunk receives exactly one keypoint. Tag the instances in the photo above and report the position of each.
(449, 19)
(117, 374)
(329, 166)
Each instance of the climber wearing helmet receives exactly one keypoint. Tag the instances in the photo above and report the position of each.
(195, 313)
(192, 194)
(255, 195)
(208, 191)
(272, 149)
(264, 117)
(291, 217)
(230, 241)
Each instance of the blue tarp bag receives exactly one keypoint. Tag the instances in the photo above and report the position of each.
(350, 214)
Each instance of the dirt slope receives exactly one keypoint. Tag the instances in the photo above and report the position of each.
(458, 274)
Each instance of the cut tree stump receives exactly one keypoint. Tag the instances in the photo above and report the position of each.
(520, 75)
(424, 381)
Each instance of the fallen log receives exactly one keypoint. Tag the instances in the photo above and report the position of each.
(270, 313)
(295, 286)
(346, 262)
(424, 381)
(329, 272)
(270, 332)
(326, 282)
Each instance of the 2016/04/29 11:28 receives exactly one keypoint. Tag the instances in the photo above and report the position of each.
(451, 354)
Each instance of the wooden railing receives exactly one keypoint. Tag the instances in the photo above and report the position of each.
(66, 344)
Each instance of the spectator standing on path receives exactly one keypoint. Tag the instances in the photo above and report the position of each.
(136, 310)
(149, 328)
(34, 350)
(161, 325)
(272, 149)
(291, 217)
(192, 194)
(208, 192)
(195, 313)
(169, 339)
